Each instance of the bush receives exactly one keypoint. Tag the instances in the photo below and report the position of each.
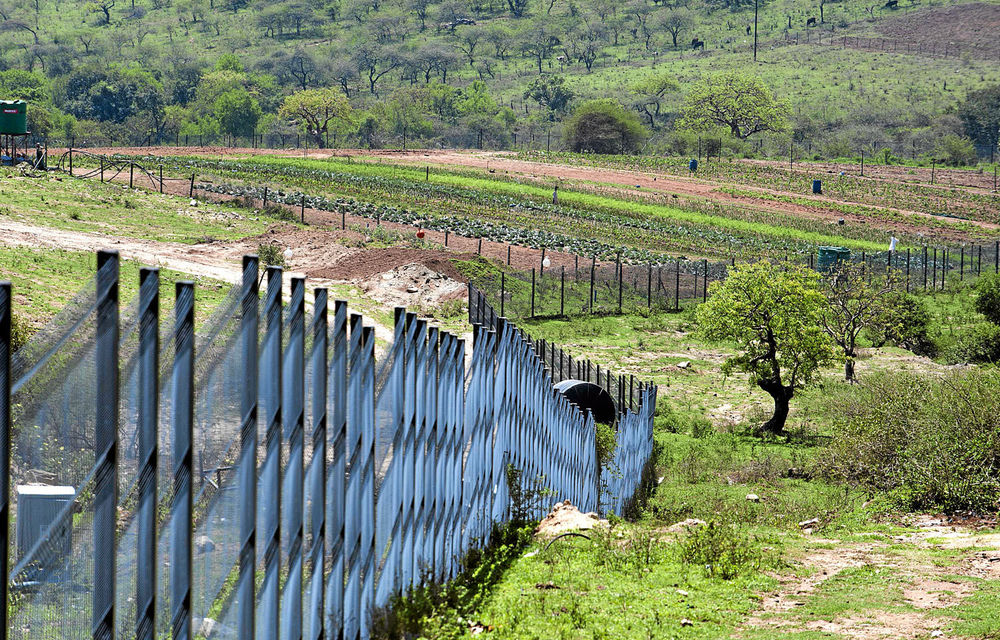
(722, 551)
(924, 442)
(988, 297)
(955, 151)
(20, 332)
(604, 126)
(905, 323)
(270, 255)
(978, 344)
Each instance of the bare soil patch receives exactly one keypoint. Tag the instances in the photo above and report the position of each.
(969, 27)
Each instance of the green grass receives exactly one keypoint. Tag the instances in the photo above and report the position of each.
(114, 210)
(43, 280)
(632, 586)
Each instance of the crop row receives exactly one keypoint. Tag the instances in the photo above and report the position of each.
(647, 227)
(945, 200)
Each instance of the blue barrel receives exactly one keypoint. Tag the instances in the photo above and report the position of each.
(693, 165)
(817, 186)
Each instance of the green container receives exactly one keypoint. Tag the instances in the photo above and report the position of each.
(831, 257)
(13, 117)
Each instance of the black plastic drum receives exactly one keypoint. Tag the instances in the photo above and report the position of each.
(589, 396)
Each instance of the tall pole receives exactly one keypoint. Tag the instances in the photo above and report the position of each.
(6, 344)
(755, 3)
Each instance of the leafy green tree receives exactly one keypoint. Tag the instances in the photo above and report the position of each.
(550, 92)
(604, 126)
(649, 96)
(773, 316)
(406, 112)
(955, 151)
(988, 297)
(857, 300)
(238, 113)
(737, 101)
(980, 114)
(318, 112)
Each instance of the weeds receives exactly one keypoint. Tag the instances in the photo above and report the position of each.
(722, 551)
(270, 255)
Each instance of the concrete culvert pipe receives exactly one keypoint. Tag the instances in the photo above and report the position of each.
(589, 396)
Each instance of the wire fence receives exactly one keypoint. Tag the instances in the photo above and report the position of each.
(618, 288)
(269, 475)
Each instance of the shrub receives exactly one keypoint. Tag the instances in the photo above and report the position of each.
(604, 126)
(722, 551)
(20, 332)
(979, 344)
(955, 151)
(924, 442)
(270, 255)
(988, 297)
(905, 323)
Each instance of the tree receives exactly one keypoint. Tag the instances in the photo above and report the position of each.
(988, 297)
(538, 41)
(238, 113)
(104, 7)
(317, 112)
(980, 114)
(773, 314)
(650, 94)
(857, 300)
(405, 113)
(517, 7)
(604, 126)
(374, 61)
(675, 22)
(550, 92)
(735, 100)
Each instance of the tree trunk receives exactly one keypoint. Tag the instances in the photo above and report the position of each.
(849, 369)
(782, 395)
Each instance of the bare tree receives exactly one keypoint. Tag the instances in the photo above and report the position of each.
(675, 22)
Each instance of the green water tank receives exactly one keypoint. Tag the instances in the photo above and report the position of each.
(831, 257)
(13, 117)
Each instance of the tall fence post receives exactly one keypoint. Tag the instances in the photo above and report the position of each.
(6, 316)
(593, 269)
(106, 447)
(131, 174)
(336, 480)
(249, 322)
(148, 419)
(270, 472)
(532, 292)
(317, 468)
(293, 413)
(191, 189)
(182, 512)
(161, 178)
(907, 270)
(704, 288)
(503, 292)
(562, 291)
(677, 285)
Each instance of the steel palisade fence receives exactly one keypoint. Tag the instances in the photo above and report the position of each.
(635, 401)
(267, 479)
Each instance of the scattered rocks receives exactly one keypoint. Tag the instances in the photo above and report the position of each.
(753, 497)
(686, 623)
(684, 364)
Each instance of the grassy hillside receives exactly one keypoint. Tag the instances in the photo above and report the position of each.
(147, 70)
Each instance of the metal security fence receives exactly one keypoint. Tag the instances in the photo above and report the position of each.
(271, 475)
(635, 403)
